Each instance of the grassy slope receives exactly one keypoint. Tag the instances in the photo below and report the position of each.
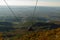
(19, 34)
(33, 35)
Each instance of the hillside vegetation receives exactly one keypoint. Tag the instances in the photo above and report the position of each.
(32, 35)
(37, 33)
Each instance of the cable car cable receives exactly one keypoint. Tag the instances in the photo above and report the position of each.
(11, 10)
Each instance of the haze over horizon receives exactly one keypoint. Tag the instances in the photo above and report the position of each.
(49, 3)
(25, 8)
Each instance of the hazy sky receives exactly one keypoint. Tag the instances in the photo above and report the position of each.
(53, 3)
